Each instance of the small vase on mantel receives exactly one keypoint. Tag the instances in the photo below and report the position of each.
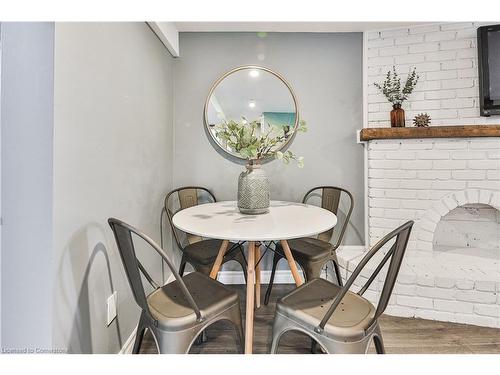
(253, 190)
(397, 116)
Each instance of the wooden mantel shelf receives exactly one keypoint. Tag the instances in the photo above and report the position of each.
(462, 131)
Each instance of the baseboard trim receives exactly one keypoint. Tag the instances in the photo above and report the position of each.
(236, 277)
(281, 276)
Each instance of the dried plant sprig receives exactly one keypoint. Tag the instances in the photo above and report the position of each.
(391, 87)
(245, 139)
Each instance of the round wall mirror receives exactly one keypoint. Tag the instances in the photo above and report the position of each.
(252, 94)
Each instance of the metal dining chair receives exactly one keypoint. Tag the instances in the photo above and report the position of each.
(339, 320)
(178, 312)
(313, 253)
(198, 252)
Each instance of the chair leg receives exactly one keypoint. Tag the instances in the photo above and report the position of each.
(240, 258)
(281, 325)
(175, 342)
(276, 259)
(202, 337)
(378, 341)
(275, 343)
(182, 267)
(244, 268)
(314, 346)
(337, 271)
(139, 335)
(234, 315)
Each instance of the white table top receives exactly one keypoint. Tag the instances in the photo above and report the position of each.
(284, 221)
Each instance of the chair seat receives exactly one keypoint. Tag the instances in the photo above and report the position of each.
(169, 306)
(203, 252)
(310, 249)
(308, 304)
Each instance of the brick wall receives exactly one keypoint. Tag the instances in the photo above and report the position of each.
(435, 288)
(407, 177)
(433, 181)
(445, 56)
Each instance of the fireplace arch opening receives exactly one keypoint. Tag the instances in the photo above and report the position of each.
(471, 230)
(459, 216)
(475, 226)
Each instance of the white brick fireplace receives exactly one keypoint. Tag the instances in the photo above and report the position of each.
(450, 187)
(427, 180)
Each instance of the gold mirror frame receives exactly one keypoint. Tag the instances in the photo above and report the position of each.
(245, 67)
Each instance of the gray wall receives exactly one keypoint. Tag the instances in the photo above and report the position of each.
(27, 171)
(325, 71)
(112, 157)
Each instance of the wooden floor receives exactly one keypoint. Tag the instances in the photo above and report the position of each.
(401, 335)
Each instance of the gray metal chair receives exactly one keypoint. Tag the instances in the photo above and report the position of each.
(339, 320)
(178, 312)
(198, 252)
(313, 253)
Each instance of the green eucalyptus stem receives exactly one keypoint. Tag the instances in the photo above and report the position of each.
(391, 87)
(241, 137)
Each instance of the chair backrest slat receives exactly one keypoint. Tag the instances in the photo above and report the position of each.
(376, 272)
(331, 198)
(399, 249)
(130, 262)
(123, 235)
(187, 196)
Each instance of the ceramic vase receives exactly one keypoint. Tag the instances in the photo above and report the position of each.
(253, 190)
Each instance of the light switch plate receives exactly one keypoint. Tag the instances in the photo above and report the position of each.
(112, 307)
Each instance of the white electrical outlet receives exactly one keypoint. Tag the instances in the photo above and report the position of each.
(112, 307)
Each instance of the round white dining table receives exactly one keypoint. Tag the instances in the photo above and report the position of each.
(284, 221)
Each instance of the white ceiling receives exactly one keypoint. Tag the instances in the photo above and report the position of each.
(290, 26)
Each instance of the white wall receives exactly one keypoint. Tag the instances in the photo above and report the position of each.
(112, 157)
(27, 170)
(445, 56)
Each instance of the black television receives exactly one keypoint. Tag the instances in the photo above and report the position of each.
(488, 43)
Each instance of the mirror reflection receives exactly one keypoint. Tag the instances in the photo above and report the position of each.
(252, 96)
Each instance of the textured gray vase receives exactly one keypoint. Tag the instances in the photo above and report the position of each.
(253, 190)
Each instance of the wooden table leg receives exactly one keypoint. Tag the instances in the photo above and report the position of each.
(250, 298)
(219, 259)
(291, 263)
(257, 276)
